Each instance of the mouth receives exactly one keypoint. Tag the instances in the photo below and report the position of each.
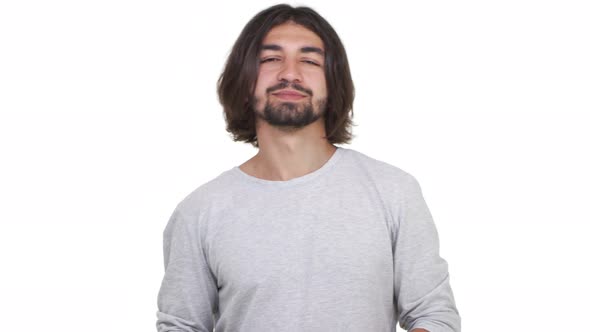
(289, 95)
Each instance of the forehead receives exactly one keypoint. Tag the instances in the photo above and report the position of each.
(292, 33)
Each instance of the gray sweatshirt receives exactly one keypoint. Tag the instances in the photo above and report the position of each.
(351, 246)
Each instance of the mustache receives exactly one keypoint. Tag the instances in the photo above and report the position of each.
(284, 85)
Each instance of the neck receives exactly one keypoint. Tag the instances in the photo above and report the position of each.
(284, 156)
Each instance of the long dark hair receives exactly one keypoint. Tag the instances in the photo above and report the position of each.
(238, 80)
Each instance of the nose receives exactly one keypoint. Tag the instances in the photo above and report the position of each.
(290, 72)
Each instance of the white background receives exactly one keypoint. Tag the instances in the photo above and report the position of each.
(109, 117)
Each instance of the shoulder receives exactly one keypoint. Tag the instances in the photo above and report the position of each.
(202, 198)
(394, 184)
(379, 170)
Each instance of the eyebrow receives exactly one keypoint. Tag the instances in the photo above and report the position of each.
(305, 49)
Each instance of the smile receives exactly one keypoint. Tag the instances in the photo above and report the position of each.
(289, 95)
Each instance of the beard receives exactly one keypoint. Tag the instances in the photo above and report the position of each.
(290, 116)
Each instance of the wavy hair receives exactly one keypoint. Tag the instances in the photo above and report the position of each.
(237, 82)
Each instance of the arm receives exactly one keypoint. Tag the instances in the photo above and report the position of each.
(423, 295)
(188, 295)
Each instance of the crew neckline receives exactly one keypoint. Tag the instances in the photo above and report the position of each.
(298, 180)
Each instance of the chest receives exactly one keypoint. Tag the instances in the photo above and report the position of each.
(293, 242)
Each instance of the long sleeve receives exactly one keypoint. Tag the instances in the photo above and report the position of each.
(188, 298)
(424, 298)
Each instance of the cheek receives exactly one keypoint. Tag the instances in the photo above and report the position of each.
(321, 87)
(259, 91)
(262, 83)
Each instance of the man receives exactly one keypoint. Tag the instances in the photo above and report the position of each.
(304, 236)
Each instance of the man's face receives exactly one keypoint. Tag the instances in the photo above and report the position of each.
(291, 88)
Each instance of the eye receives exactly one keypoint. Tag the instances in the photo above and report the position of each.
(311, 62)
(269, 60)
